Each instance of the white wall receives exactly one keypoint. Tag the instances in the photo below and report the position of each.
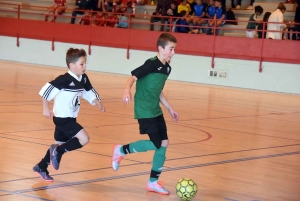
(277, 77)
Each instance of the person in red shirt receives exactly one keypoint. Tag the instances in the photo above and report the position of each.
(111, 19)
(85, 19)
(99, 19)
(58, 8)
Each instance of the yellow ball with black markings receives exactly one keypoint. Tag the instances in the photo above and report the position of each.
(186, 189)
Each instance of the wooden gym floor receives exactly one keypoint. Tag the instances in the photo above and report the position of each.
(236, 144)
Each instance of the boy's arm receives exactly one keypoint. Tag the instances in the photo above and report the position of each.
(127, 92)
(166, 104)
(46, 111)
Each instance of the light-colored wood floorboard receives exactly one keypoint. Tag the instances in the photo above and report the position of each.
(236, 144)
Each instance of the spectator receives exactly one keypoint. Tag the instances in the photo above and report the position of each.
(219, 16)
(264, 26)
(99, 19)
(86, 18)
(181, 25)
(111, 19)
(184, 6)
(199, 13)
(122, 21)
(210, 10)
(58, 8)
(82, 5)
(161, 10)
(127, 4)
(173, 10)
(277, 17)
(250, 32)
(291, 33)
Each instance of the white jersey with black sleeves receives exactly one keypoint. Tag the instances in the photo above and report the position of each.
(67, 90)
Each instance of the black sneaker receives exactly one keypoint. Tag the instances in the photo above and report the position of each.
(55, 157)
(43, 173)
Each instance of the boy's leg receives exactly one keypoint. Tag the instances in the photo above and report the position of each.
(147, 125)
(41, 167)
(74, 132)
(159, 158)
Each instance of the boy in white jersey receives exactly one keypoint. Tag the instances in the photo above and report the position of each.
(67, 90)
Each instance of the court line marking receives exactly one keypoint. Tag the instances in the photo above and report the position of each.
(147, 172)
(140, 163)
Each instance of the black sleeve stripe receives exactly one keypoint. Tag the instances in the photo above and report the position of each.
(48, 91)
(97, 95)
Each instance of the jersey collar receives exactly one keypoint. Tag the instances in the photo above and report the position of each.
(75, 76)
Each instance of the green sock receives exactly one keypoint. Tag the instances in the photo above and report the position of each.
(138, 146)
(158, 162)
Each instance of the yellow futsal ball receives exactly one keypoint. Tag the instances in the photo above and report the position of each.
(186, 189)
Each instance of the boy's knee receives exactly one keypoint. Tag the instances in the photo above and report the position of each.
(157, 144)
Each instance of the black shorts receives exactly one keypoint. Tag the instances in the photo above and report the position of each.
(65, 128)
(154, 126)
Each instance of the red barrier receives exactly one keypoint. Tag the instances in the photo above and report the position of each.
(190, 44)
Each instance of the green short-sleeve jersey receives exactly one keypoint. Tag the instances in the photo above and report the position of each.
(151, 76)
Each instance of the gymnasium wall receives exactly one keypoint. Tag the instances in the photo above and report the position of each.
(278, 77)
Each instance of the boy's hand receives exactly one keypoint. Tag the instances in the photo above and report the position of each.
(127, 96)
(47, 113)
(173, 114)
(102, 108)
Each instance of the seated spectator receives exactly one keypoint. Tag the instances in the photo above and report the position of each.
(111, 19)
(125, 4)
(82, 5)
(99, 19)
(210, 10)
(253, 20)
(184, 6)
(219, 16)
(199, 13)
(291, 32)
(181, 24)
(276, 16)
(57, 8)
(172, 11)
(160, 11)
(122, 21)
(86, 18)
(262, 26)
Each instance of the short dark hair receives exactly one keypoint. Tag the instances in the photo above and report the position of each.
(182, 13)
(73, 55)
(164, 39)
(258, 9)
(218, 1)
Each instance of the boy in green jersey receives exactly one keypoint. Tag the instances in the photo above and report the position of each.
(150, 79)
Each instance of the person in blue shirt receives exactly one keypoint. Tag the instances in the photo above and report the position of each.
(219, 16)
(181, 25)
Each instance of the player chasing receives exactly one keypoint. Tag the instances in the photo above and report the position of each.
(67, 90)
(150, 79)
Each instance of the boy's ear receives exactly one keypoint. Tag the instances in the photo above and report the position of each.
(160, 48)
(71, 65)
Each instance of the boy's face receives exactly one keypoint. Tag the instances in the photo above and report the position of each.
(217, 3)
(167, 52)
(184, 2)
(211, 2)
(198, 2)
(173, 6)
(79, 67)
